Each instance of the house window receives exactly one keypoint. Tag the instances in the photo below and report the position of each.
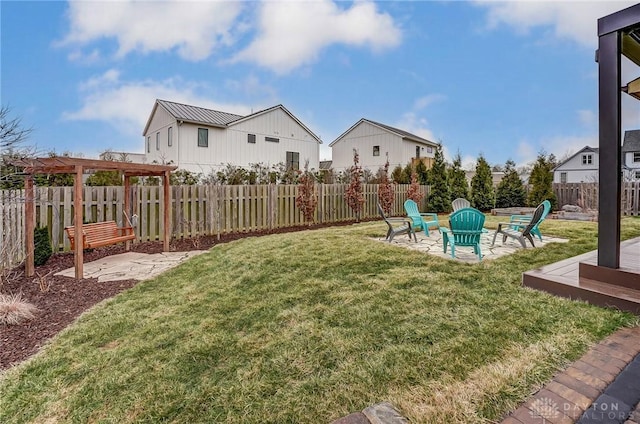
(637, 175)
(157, 141)
(148, 144)
(417, 152)
(429, 149)
(563, 177)
(203, 137)
(587, 159)
(272, 139)
(636, 156)
(251, 138)
(293, 160)
(170, 136)
(376, 150)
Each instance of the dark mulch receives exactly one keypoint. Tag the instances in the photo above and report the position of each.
(60, 300)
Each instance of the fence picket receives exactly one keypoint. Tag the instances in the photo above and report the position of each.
(215, 209)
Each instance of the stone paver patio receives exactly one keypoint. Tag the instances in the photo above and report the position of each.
(433, 245)
(131, 265)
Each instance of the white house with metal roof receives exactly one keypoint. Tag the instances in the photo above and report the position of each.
(204, 140)
(581, 167)
(374, 141)
(631, 155)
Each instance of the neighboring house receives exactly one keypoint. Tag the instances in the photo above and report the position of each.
(119, 156)
(582, 167)
(631, 155)
(204, 140)
(374, 141)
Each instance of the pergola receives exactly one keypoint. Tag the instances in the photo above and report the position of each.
(77, 166)
(618, 35)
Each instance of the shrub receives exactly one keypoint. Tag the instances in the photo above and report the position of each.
(307, 199)
(414, 193)
(386, 191)
(42, 246)
(354, 195)
(13, 310)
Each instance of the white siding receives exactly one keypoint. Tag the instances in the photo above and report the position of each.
(160, 122)
(230, 145)
(364, 137)
(576, 171)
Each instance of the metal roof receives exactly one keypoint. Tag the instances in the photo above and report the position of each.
(631, 141)
(199, 115)
(401, 133)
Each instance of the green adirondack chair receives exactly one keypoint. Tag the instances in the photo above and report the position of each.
(466, 228)
(421, 221)
(519, 222)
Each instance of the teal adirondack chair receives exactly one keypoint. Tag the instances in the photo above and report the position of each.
(519, 222)
(466, 228)
(421, 221)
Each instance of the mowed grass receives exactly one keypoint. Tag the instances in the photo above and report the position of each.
(310, 326)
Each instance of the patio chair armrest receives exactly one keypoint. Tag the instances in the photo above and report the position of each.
(433, 216)
(444, 230)
(520, 218)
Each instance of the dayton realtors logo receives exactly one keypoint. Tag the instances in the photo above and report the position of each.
(545, 409)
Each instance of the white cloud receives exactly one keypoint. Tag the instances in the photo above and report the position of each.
(126, 105)
(292, 33)
(428, 100)
(572, 20)
(416, 125)
(588, 117)
(193, 28)
(561, 146)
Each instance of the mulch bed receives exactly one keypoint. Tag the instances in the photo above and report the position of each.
(60, 300)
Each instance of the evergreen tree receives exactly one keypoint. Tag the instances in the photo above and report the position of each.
(397, 175)
(423, 173)
(439, 194)
(482, 186)
(541, 181)
(458, 179)
(510, 191)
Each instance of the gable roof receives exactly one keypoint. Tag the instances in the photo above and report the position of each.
(405, 135)
(631, 141)
(214, 118)
(284, 109)
(595, 150)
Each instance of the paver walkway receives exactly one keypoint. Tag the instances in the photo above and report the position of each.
(601, 387)
(131, 265)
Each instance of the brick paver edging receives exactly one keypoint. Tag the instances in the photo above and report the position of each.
(606, 377)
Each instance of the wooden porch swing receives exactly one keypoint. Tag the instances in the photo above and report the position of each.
(100, 234)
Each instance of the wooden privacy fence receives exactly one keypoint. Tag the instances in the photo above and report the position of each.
(585, 195)
(197, 210)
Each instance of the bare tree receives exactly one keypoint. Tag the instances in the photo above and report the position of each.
(12, 133)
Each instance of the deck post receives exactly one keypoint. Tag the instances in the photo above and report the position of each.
(609, 70)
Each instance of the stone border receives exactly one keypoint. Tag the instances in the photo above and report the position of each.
(606, 377)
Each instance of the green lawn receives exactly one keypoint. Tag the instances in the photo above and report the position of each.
(307, 327)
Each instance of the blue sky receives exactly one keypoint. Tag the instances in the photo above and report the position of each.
(502, 79)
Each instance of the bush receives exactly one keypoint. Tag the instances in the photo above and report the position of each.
(14, 310)
(42, 246)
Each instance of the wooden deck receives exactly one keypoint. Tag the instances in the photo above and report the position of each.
(580, 278)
